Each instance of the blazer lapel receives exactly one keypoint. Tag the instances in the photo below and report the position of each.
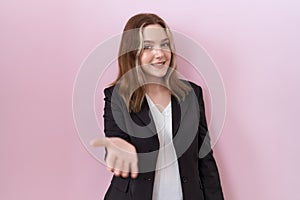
(146, 119)
(145, 116)
(176, 115)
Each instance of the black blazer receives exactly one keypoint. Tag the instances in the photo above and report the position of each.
(199, 176)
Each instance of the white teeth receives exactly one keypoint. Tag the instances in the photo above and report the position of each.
(159, 63)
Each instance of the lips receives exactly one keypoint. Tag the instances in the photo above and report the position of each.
(159, 64)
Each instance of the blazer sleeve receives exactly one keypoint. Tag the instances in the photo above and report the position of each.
(113, 117)
(207, 166)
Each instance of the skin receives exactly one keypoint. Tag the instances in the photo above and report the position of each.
(121, 157)
(156, 55)
(155, 61)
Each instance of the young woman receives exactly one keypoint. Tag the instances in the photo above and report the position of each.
(155, 123)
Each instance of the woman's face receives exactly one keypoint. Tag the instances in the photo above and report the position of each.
(156, 55)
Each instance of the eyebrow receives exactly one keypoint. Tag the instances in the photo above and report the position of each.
(163, 40)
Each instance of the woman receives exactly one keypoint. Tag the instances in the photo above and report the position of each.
(155, 123)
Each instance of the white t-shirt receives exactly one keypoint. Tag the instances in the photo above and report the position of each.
(167, 184)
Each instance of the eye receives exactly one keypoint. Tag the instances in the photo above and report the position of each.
(147, 46)
(165, 45)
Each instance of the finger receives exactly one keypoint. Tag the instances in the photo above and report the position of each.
(134, 170)
(125, 174)
(125, 170)
(117, 172)
(118, 167)
(99, 142)
(110, 169)
(110, 162)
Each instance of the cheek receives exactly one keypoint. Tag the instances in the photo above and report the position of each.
(168, 56)
(145, 58)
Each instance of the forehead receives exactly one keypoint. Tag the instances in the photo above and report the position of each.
(154, 33)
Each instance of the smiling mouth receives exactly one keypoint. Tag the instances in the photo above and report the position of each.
(159, 64)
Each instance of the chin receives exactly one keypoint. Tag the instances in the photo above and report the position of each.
(154, 73)
(158, 74)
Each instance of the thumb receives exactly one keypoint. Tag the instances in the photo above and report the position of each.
(99, 142)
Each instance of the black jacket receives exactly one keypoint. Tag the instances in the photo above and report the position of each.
(199, 174)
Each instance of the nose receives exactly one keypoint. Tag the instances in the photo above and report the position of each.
(158, 52)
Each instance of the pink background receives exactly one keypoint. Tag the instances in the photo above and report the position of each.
(255, 45)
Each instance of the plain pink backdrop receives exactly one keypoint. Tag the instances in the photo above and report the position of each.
(255, 45)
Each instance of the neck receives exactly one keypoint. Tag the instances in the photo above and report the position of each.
(153, 88)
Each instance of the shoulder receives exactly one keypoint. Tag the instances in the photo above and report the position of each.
(197, 88)
(109, 90)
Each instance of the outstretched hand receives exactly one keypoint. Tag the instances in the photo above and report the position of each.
(121, 156)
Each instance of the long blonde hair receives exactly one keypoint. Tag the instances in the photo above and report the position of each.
(129, 80)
